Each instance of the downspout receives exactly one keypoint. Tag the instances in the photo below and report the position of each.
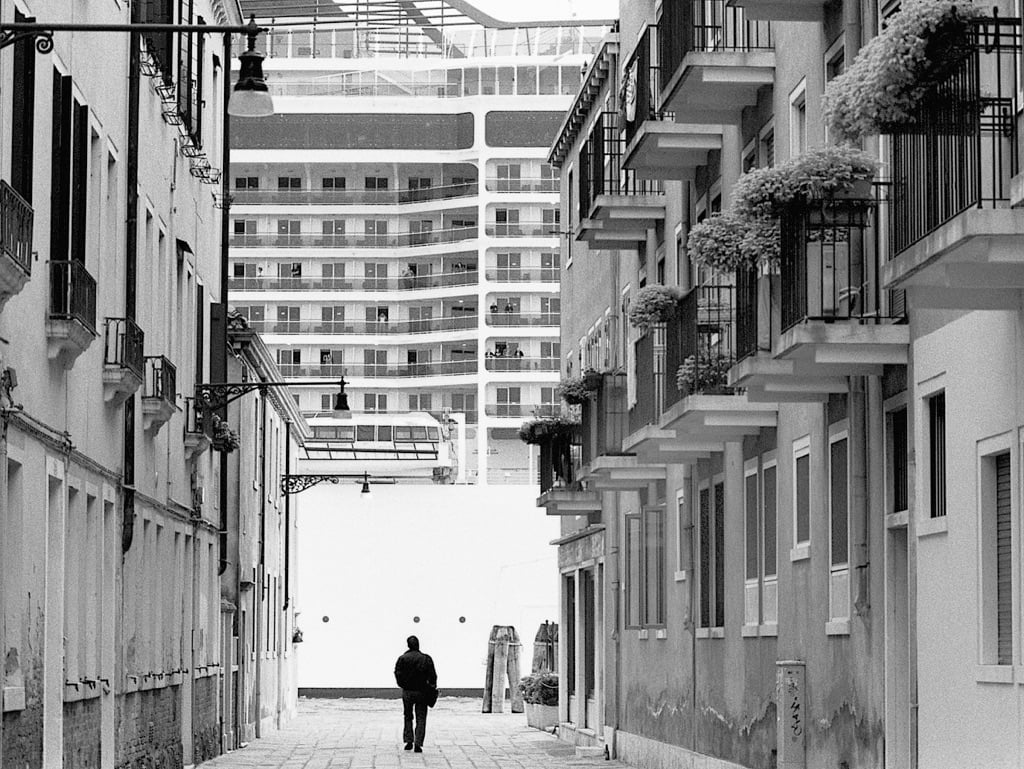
(287, 515)
(261, 572)
(852, 29)
(859, 520)
(218, 352)
(691, 580)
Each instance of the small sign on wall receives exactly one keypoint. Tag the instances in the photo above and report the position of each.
(791, 715)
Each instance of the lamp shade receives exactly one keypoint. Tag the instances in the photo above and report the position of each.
(251, 97)
(341, 398)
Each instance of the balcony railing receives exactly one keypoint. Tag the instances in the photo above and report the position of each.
(962, 151)
(342, 197)
(161, 380)
(516, 275)
(702, 338)
(496, 363)
(16, 227)
(604, 419)
(194, 418)
(375, 327)
(123, 345)
(704, 26)
(524, 318)
(523, 184)
(72, 293)
(830, 263)
(523, 229)
(600, 167)
(362, 240)
(642, 70)
(406, 370)
(410, 283)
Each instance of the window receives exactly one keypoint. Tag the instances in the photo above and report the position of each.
(333, 227)
(247, 182)
(289, 183)
(996, 601)
(569, 587)
(506, 221)
(798, 119)
(375, 403)
(375, 182)
(287, 270)
(801, 497)
(376, 230)
(509, 267)
(711, 551)
(835, 65)
(766, 147)
(897, 497)
(288, 232)
(654, 576)
(749, 158)
(508, 179)
(936, 409)
(333, 182)
(287, 319)
(550, 265)
(331, 314)
(508, 402)
(839, 529)
(420, 401)
(23, 113)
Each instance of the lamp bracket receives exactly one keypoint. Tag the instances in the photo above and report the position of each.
(293, 484)
(215, 396)
(43, 38)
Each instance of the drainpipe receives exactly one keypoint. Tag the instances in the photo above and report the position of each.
(612, 546)
(860, 525)
(262, 574)
(218, 333)
(287, 514)
(852, 28)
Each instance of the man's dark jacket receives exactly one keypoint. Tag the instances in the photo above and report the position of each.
(414, 671)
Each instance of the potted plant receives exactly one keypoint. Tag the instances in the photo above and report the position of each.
(224, 438)
(727, 241)
(574, 390)
(711, 374)
(921, 44)
(540, 696)
(592, 379)
(654, 304)
(541, 429)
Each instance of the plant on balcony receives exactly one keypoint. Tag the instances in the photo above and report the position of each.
(726, 241)
(921, 44)
(576, 390)
(539, 688)
(654, 304)
(817, 173)
(709, 374)
(224, 438)
(541, 429)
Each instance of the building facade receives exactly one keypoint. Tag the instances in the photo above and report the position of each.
(789, 524)
(396, 223)
(110, 506)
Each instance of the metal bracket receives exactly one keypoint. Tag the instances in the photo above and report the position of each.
(212, 397)
(293, 484)
(43, 38)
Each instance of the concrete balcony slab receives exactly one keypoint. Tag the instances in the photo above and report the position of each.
(781, 10)
(628, 212)
(715, 86)
(569, 502)
(598, 235)
(662, 149)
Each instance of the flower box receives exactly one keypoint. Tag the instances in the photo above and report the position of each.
(541, 716)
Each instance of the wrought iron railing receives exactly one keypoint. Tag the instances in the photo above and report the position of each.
(604, 419)
(830, 263)
(702, 341)
(161, 380)
(962, 150)
(16, 227)
(642, 89)
(705, 26)
(123, 345)
(73, 293)
(600, 166)
(753, 315)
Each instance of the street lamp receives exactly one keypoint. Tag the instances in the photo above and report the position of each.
(251, 97)
(213, 396)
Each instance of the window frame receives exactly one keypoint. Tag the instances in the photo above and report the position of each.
(840, 598)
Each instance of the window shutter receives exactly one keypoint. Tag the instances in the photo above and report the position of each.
(1004, 551)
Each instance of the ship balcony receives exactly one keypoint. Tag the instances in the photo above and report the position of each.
(656, 146)
(514, 366)
(954, 237)
(616, 208)
(781, 10)
(16, 217)
(71, 323)
(124, 365)
(159, 398)
(714, 60)
(262, 284)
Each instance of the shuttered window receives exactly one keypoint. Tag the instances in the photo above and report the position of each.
(719, 555)
(570, 634)
(705, 557)
(937, 454)
(839, 510)
(1004, 550)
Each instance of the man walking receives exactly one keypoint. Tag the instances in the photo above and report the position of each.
(414, 672)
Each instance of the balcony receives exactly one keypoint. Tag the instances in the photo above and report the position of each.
(196, 439)
(159, 398)
(383, 370)
(521, 365)
(71, 324)
(123, 364)
(559, 493)
(517, 275)
(955, 239)
(353, 284)
(714, 60)
(367, 327)
(523, 184)
(15, 242)
(353, 197)
(616, 208)
(361, 240)
(523, 229)
(507, 319)
(657, 147)
(522, 410)
(781, 10)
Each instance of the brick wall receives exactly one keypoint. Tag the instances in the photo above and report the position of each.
(206, 730)
(149, 730)
(23, 729)
(82, 734)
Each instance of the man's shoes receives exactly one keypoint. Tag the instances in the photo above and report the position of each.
(417, 749)
(408, 746)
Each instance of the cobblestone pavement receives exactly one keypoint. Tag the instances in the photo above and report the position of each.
(367, 734)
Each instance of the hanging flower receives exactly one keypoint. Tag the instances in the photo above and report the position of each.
(224, 438)
(654, 304)
(541, 429)
(577, 390)
(921, 44)
(727, 241)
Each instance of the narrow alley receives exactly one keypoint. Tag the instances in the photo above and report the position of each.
(366, 734)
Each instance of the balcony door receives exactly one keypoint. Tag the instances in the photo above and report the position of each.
(508, 402)
(287, 320)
